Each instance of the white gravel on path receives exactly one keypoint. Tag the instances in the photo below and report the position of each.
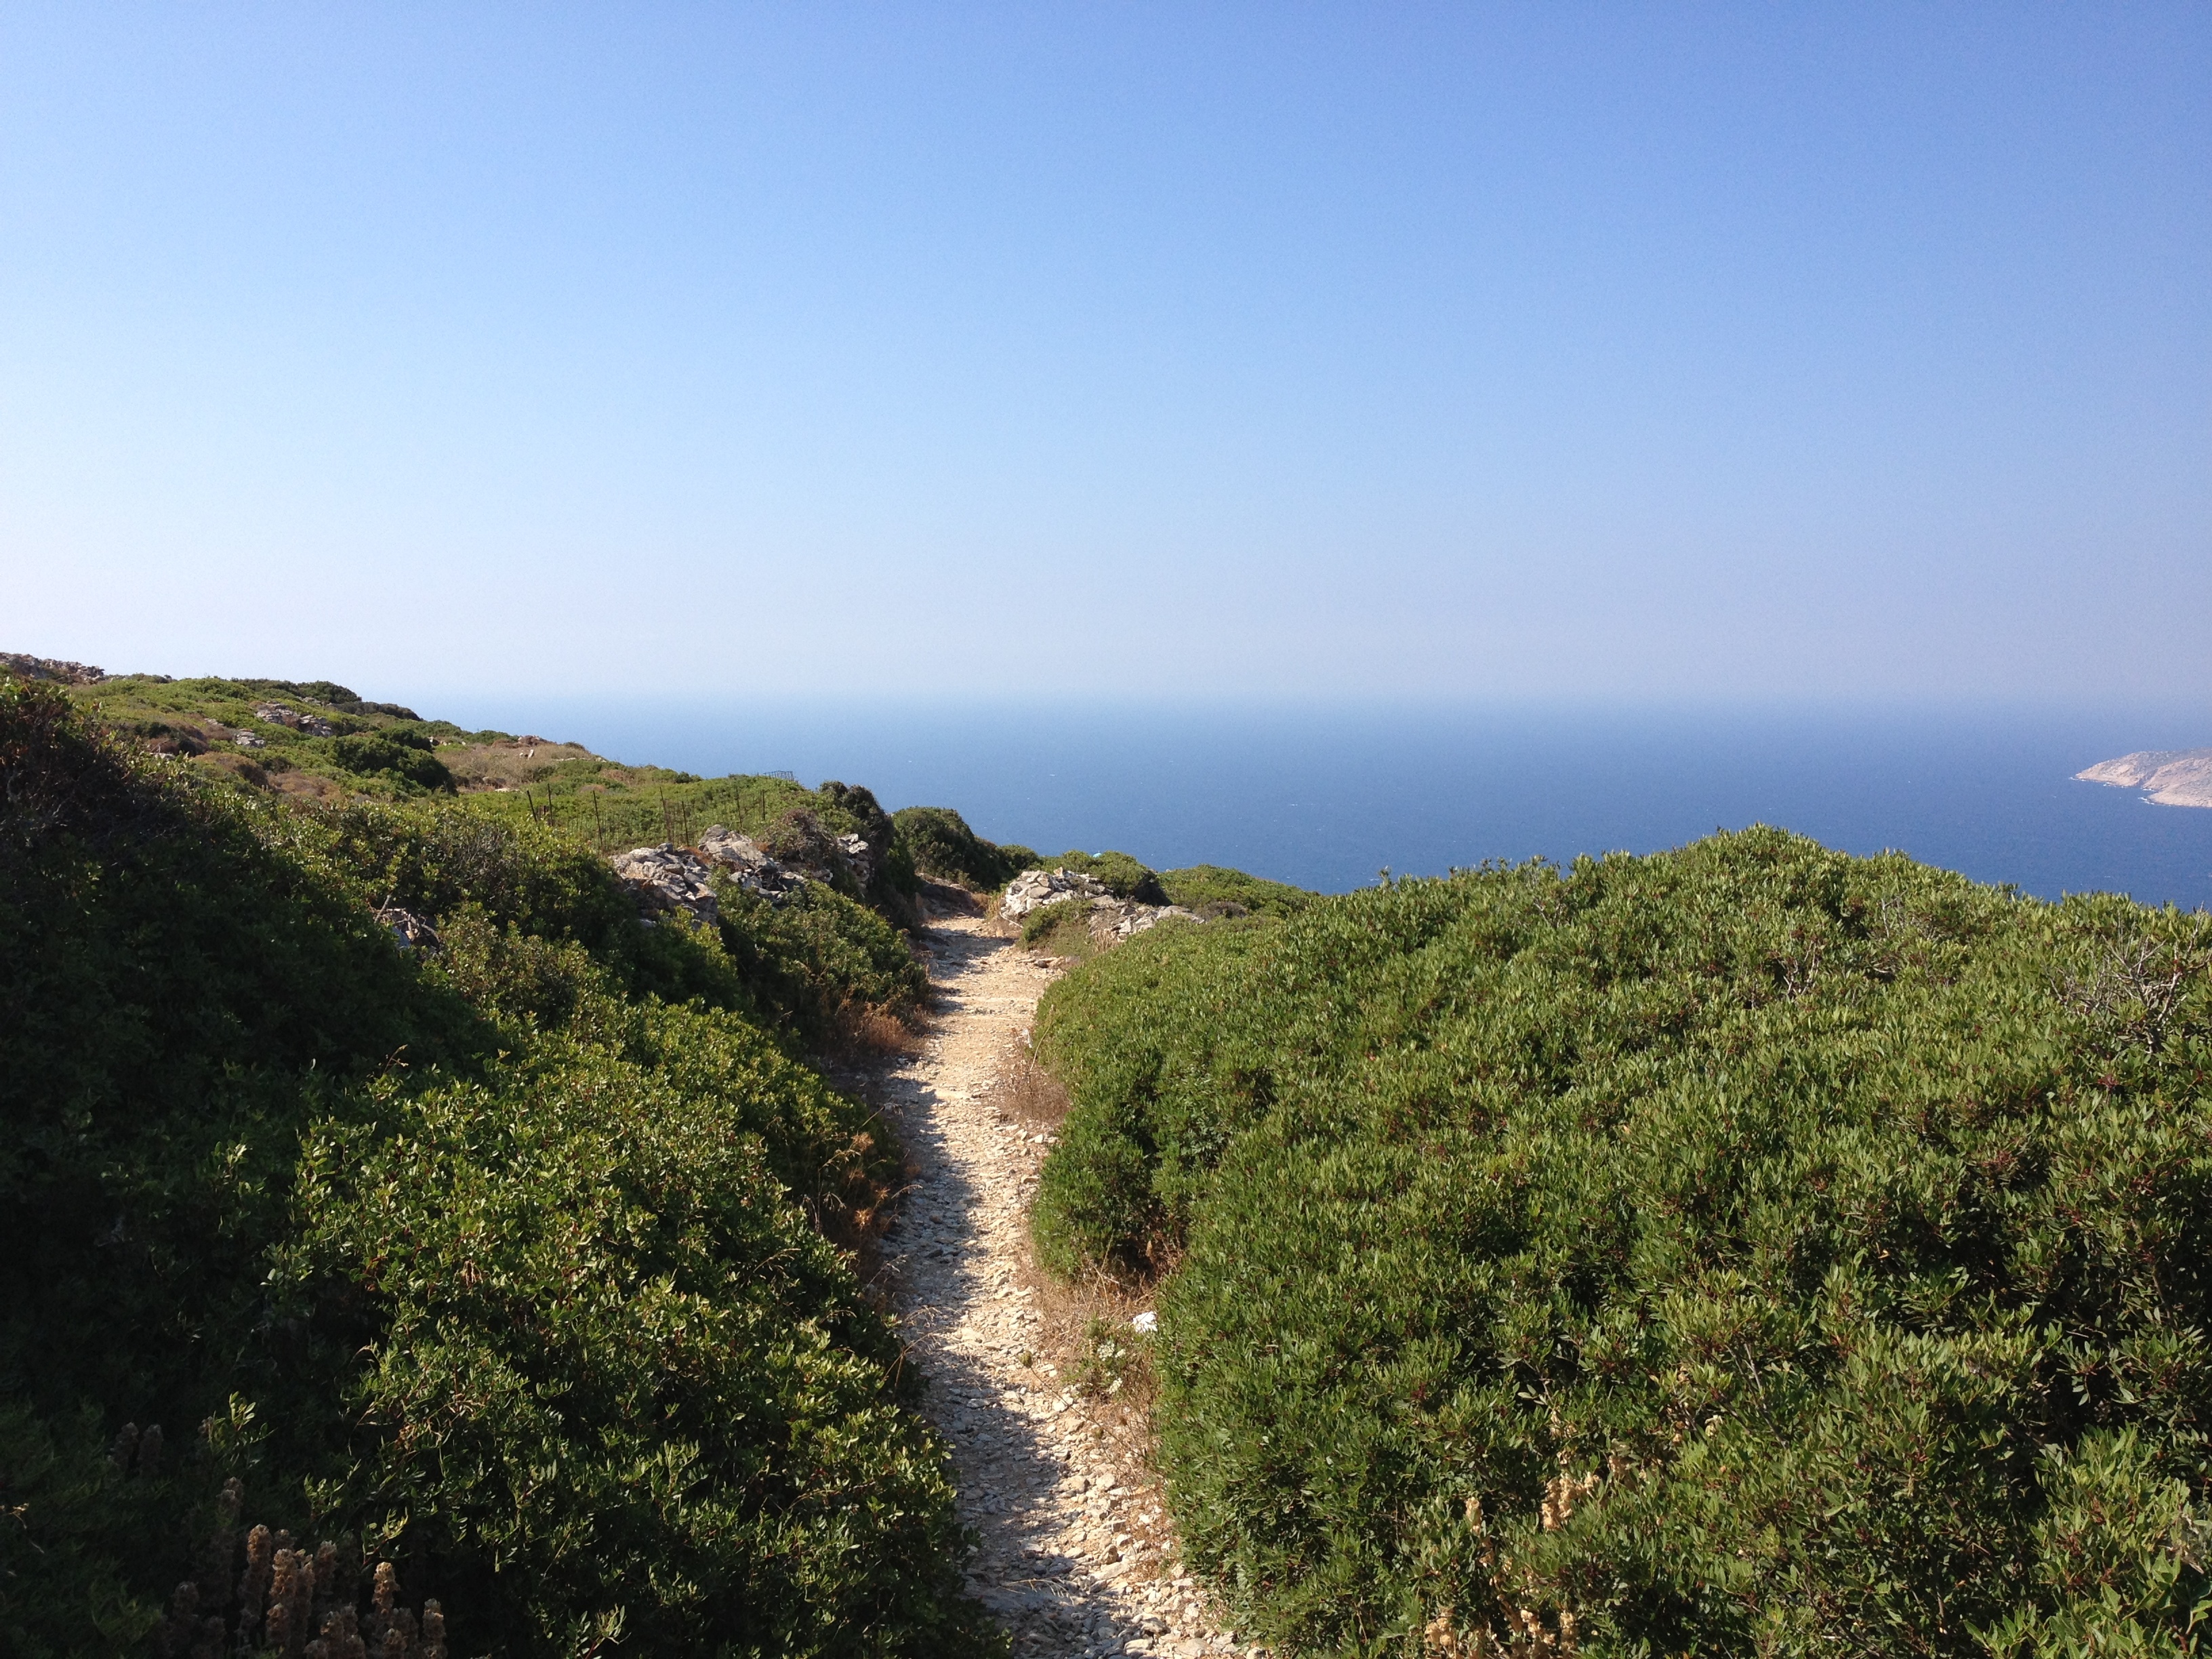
(1075, 1557)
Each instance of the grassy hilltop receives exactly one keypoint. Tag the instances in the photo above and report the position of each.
(515, 1263)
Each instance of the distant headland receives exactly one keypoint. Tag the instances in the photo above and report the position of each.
(2169, 777)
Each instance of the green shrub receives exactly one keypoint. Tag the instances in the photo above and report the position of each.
(794, 968)
(940, 844)
(1121, 875)
(1211, 888)
(507, 1257)
(370, 753)
(1061, 930)
(614, 1381)
(893, 883)
(1748, 1249)
(816, 955)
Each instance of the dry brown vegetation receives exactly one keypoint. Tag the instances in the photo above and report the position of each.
(515, 764)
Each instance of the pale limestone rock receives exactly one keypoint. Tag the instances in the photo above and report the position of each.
(2167, 777)
(666, 880)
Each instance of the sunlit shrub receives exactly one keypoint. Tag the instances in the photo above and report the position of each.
(1748, 1249)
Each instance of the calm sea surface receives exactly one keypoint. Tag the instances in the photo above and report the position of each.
(1327, 799)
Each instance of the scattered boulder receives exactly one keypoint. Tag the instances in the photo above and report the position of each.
(862, 856)
(48, 668)
(249, 740)
(412, 932)
(748, 865)
(666, 880)
(1132, 919)
(802, 842)
(277, 714)
(1032, 890)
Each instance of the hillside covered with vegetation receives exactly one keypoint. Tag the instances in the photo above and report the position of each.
(1745, 1249)
(510, 1257)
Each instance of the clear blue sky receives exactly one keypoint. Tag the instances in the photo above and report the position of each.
(1685, 352)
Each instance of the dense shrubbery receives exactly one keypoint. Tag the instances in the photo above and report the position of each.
(1211, 888)
(940, 842)
(794, 968)
(371, 752)
(1746, 1249)
(1120, 874)
(498, 1258)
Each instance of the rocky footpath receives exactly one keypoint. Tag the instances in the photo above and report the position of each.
(1076, 1556)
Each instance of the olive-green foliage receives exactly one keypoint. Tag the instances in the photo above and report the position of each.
(370, 752)
(591, 801)
(1062, 930)
(1121, 875)
(794, 969)
(1748, 1249)
(894, 882)
(609, 1361)
(940, 844)
(609, 806)
(380, 748)
(1211, 888)
(807, 959)
(500, 1257)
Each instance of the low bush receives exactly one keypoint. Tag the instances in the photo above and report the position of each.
(369, 753)
(895, 882)
(613, 1381)
(1120, 874)
(506, 1259)
(940, 844)
(1748, 1249)
(1211, 888)
(1061, 930)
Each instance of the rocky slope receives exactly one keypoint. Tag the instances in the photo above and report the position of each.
(2167, 777)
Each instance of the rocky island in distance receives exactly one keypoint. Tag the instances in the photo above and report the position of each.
(2167, 777)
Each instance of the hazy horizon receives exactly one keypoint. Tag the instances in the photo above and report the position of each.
(971, 351)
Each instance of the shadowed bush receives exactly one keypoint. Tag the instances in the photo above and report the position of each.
(506, 1259)
(940, 844)
(1748, 1249)
(394, 754)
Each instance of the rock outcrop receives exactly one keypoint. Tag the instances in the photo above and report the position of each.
(1033, 889)
(277, 714)
(748, 865)
(666, 880)
(1111, 919)
(48, 668)
(1130, 918)
(2169, 777)
(860, 856)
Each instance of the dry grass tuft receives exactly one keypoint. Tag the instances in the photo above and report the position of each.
(1023, 1090)
(864, 1031)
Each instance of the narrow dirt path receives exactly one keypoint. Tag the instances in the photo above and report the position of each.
(1071, 1555)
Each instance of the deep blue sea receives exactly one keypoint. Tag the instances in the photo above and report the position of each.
(1328, 798)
